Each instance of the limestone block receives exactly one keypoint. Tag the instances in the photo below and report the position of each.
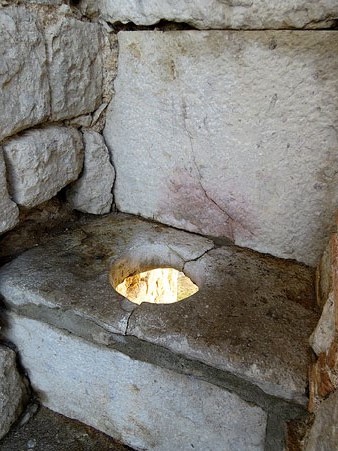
(12, 391)
(249, 312)
(324, 432)
(75, 67)
(143, 405)
(24, 91)
(42, 161)
(230, 134)
(92, 192)
(9, 210)
(238, 14)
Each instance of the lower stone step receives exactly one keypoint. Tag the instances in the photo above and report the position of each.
(223, 369)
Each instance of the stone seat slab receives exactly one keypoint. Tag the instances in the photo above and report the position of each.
(252, 316)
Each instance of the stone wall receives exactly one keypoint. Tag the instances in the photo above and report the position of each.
(56, 79)
(225, 133)
(214, 117)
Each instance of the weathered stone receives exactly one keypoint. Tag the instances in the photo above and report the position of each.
(9, 215)
(243, 320)
(210, 139)
(75, 67)
(240, 14)
(42, 161)
(12, 390)
(24, 90)
(324, 277)
(81, 121)
(81, 259)
(325, 331)
(92, 192)
(323, 435)
(247, 317)
(144, 406)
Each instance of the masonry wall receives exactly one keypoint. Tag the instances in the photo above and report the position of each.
(227, 132)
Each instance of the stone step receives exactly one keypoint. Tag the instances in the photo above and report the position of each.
(217, 370)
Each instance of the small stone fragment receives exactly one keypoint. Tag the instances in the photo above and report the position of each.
(9, 212)
(324, 333)
(81, 121)
(42, 161)
(92, 193)
(12, 390)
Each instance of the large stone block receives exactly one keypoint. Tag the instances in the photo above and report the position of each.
(12, 390)
(74, 51)
(42, 161)
(229, 134)
(92, 193)
(24, 89)
(239, 14)
(9, 215)
(251, 317)
(143, 405)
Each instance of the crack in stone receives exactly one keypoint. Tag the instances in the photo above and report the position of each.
(231, 220)
(126, 332)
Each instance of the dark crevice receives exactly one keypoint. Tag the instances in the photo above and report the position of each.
(162, 25)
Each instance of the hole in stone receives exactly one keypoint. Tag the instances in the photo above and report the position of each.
(157, 286)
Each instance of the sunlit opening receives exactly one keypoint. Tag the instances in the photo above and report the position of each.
(157, 286)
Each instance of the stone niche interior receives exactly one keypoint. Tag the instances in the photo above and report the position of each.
(168, 199)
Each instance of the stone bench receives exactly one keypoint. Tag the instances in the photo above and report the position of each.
(223, 369)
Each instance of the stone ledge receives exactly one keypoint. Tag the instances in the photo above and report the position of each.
(247, 318)
(218, 14)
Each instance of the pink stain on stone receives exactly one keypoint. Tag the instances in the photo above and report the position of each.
(186, 204)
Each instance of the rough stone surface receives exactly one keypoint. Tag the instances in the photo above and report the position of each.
(92, 192)
(12, 391)
(244, 319)
(210, 140)
(325, 331)
(240, 14)
(20, 38)
(75, 67)
(323, 375)
(324, 433)
(37, 226)
(252, 315)
(9, 215)
(42, 161)
(142, 405)
(50, 431)
(81, 259)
